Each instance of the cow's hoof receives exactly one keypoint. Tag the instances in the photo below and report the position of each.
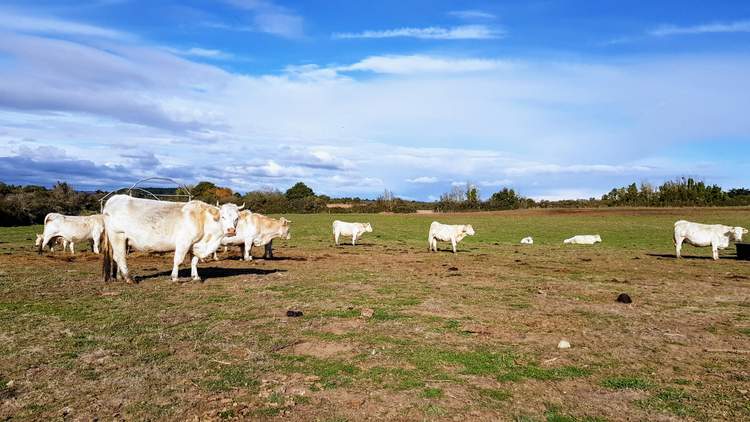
(129, 280)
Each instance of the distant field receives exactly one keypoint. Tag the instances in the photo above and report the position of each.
(470, 336)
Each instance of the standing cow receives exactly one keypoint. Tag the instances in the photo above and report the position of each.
(717, 236)
(255, 229)
(355, 230)
(72, 229)
(447, 233)
(194, 228)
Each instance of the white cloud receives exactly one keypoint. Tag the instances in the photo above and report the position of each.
(12, 21)
(423, 179)
(271, 18)
(463, 32)
(708, 28)
(559, 123)
(495, 183)
(471, 14)
(201, 52)
(418, 64)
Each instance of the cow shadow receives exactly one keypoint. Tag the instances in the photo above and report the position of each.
(207, 273)
(691, 257)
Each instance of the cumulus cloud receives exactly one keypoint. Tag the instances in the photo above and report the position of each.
(706, 28)
(462, 32)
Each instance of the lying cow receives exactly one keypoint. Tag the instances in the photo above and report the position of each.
(255, 229)
(527, 241)
(55, 241)
(583, 239)
(448, 233)
(717, 236)
(72, 229)
(193, 228)
(355, 230)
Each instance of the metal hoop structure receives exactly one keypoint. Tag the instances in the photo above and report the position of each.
(135, 187)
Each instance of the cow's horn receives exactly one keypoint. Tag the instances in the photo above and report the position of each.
(241, 206)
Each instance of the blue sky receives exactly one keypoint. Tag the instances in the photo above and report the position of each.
(557, 99)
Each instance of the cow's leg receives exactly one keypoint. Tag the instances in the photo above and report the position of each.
(179, 256)
(247, 250)
(268, 254)
(194, 268)
(678, 246)
(119, 252)
(72, 248)
(336, 237)
(453, 244)
(715, 250)
(354, 239)
(96, 244)
(216, 257)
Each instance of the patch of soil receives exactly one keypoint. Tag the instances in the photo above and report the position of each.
(322, 350)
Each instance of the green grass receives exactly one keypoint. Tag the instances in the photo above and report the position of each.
(626, 383)
(229, 338)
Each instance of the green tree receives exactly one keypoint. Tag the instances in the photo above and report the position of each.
(299, 191)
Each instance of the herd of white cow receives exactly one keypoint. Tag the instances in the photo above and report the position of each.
(198, 229)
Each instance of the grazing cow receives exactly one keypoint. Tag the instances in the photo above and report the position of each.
(255, 229)
(355, 230)
(527, 241)
(72, 229)
(194, 228)
(51, 244)
(583, 239)
(448, 233)
(717, 236)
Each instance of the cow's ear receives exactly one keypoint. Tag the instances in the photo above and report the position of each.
(744, 231)
(214, 213)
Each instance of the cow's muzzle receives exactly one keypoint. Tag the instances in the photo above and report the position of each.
(231, 232)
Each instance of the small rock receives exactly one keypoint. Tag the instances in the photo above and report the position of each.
(10, 384)
(293, 313)
(563, 344)
(67, 410)
(624, 298)
(367, 312)
(453, 269)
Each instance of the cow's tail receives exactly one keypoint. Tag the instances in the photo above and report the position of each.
(107, 260)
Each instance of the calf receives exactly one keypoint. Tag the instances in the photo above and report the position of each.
(258, 230)
(583, 239)
(355, 230)
(448, 233)
(72, 229)
(717, 236)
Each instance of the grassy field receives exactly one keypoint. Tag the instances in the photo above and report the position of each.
(389, 331)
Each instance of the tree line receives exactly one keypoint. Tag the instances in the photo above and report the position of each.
(24, 205)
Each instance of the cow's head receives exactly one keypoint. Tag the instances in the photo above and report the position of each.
(284, 232)
(469, 230)
(368, 228)
(597, 238)
(737, 232)
(229, 214)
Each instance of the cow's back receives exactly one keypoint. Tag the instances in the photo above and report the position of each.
(147, 224)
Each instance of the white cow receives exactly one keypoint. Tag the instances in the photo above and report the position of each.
(255, 229)
(72, 229)
(194, 228)
(448, 233)
(355, 230)
(583, 239)
(717, 236)
(527, 241)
